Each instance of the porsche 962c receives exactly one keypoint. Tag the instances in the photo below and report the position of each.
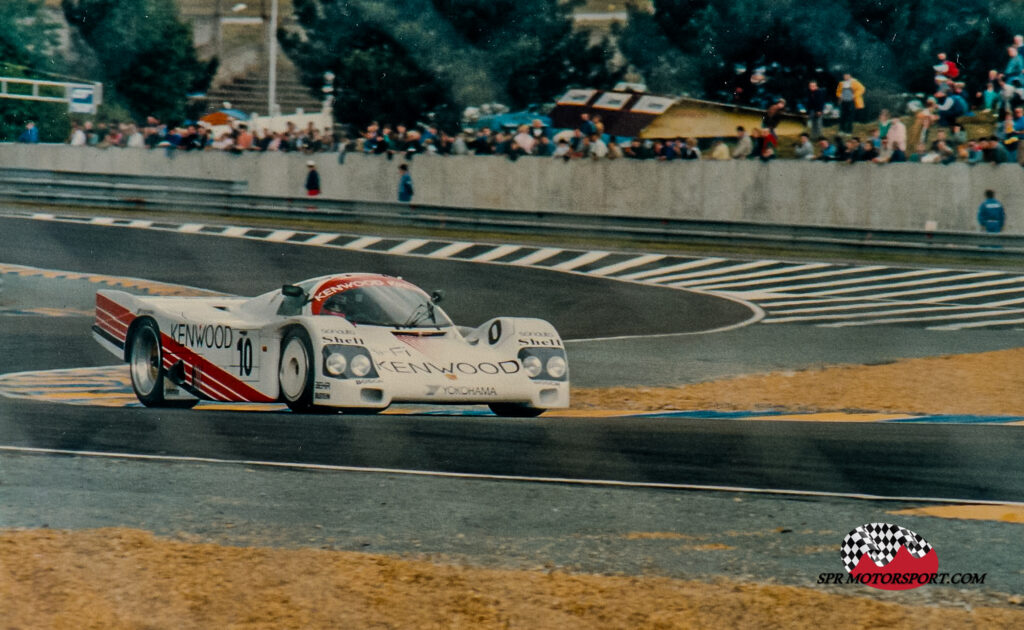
(352, 342)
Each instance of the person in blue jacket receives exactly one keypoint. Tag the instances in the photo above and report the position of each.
(405, 190)
(991, 215)
(30, 135)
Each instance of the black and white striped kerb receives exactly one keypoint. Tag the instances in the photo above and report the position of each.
(881, 541)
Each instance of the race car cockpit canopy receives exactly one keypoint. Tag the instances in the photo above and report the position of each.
(377, 300)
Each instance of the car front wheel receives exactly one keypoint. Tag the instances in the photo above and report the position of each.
(295, 373)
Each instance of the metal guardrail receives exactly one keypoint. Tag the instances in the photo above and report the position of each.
(226, 198)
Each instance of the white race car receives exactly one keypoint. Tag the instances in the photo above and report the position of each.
(350, 342)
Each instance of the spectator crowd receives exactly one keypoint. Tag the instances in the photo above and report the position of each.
(930, 133)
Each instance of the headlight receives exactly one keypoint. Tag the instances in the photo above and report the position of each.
(361, 365)
(556, 366)
(532, 365)
(335, 364)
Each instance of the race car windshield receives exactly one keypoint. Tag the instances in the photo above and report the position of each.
(385, 306)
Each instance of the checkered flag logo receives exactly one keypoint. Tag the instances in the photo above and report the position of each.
(881, 541)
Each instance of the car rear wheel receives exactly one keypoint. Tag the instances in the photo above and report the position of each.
(145, 363)
(295, 374)
(515, 410)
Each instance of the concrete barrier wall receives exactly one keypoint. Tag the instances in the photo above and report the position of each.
(896, 196)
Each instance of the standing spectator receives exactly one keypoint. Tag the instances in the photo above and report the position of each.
(1014, 66)
(313, 179)
(744, 145)
(719, 151)
(804, 148)
(691, 150)
(30, 135)
(405, 190)
(991, 215)
(850, 93)
(896, 139)
(524, 142)
(950, 69)
(598, 148)
(77, 138)
(773, 115)
(816, 99)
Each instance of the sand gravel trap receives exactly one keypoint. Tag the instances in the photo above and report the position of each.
(983, 383)
(116, 578)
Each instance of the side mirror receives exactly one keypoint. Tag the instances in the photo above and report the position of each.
(292, 291)
(437, 296)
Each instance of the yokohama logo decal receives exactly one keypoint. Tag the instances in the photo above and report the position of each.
(214, 382)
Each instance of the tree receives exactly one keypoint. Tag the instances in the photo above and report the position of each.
(437, 56)
(532, 50)
(28, 49)
(376, 75)
(145, 51)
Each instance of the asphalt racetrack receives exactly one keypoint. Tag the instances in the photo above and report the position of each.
(938, 461)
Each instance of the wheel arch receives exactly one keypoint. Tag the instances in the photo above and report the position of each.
(129, 339)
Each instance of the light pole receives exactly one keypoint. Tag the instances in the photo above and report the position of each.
(272, 53)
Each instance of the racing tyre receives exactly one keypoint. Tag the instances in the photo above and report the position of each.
(145, 364)
(515, 410)
(295, 374)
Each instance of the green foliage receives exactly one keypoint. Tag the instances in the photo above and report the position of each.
(532, 49)
(398, 60)
(28, 43)
(890, 45)
(145, 51)
(27, 36)
(375, 76)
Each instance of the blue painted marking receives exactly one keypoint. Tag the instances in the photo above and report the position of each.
(960, 419)
(711, 414)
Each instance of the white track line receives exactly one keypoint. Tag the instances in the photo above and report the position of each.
(279, 236)
(865, 280)
(496, 253)
(718, 273)
(838, 271)
(851, 307)
(450, 250)
(883, 313)
(190, 228)
(714, 283)
(363, 243)
(951, 291)
(407, 246)
(693, 264)
(453, 475)
(627, 264)
(923, 281)
(536, 257)
(579, 261)
(235, 231)
(322, 239)
(995, 322)
(899, 320)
